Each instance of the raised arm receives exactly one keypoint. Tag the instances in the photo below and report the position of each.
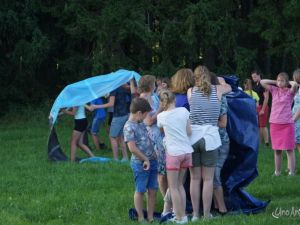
(71, 112)
(266, 83)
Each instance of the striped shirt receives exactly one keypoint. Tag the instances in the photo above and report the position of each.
(205, 110)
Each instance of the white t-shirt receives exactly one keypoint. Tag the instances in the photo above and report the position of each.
(174, 123)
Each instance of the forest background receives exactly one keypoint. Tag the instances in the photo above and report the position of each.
(45, 45)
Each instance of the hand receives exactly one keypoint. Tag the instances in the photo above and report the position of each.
(262, 112)
(221, 80)
(146, 165)
(148, 121)
(92, 107)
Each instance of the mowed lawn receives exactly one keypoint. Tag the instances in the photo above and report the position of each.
(36, 191)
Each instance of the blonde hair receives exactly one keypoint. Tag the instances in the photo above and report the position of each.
(296, 76)
(145, 83)
(182, 80)
(203, 79)
(248, 83)
(166, 98)
(285, 76)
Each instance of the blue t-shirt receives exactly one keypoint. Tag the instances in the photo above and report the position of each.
(137, 132)
(98, 113)
(122, 102)
(182, 101)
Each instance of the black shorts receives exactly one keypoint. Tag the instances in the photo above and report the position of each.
(81, 124)
(110, 116)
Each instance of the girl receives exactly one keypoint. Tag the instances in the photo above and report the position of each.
(248, 90)
(176, 125)
(204, 99)
(281, 122)
(180, 83)
(146, 87)
(296, 109)
(81, 124)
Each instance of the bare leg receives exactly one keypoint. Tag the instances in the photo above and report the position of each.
(163, 184)
(167, 202)
(277, 160)
(74, 140)
(151, 203)
(123, 147)
(173, 181)
(265, 134)
(83, 146)
(195, 189)
(114, 146)
(138, 204)
(96, 141)
(291, 161)
(219, 199)
(207, 175)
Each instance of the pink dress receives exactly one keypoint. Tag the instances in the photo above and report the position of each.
(282, 129)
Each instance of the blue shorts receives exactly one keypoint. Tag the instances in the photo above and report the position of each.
(96, 124)
(117, 125)
(144, 179)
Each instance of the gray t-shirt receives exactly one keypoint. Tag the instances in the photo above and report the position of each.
(137, 132)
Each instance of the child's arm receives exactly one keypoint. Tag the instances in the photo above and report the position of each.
(89, 107)
(266, 83)
(71, 112)
(294, 86)
(110, 103)
(222, 123)
(134, 150)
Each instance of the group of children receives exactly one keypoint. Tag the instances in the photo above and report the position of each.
(170, 127)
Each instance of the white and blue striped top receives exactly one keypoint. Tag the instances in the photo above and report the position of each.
(204, 110)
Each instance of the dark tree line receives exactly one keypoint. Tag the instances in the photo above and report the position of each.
(47, 44)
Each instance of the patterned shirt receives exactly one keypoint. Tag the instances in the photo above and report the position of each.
(137, 132)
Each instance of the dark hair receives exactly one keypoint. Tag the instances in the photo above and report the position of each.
(258, 73)
(214, 79)
(140, 104)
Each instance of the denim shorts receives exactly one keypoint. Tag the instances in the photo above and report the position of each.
(96, 125)
(117, 125)
(144, 179)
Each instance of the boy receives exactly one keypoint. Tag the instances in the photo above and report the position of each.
(143, 159)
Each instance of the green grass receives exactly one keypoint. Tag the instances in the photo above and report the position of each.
(36, 191)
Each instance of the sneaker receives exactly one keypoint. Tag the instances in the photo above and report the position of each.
(291, 174)
(123, 160)
(276, 174)
(195, 219)
(183, 220)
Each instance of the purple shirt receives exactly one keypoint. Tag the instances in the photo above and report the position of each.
(282, 99)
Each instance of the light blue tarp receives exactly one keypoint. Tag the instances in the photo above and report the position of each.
(89, 89)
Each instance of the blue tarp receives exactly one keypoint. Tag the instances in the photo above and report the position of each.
(240, 168)
(85, 91)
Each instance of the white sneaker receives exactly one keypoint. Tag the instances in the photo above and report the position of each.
(183, 220)
(195, 219)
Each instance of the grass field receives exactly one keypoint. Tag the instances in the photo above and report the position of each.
(36, 191)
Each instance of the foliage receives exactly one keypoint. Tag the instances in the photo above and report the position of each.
(45, 45)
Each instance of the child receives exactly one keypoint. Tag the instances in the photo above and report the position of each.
(143, 159)
(248, 90)
(79, 130)
(176, 125)
(281, 122)
(296, 109)
(146, 88)
(98, 119)
(118, 99)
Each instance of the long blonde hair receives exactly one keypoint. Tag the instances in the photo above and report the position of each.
(166, 98)
(203, 79)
